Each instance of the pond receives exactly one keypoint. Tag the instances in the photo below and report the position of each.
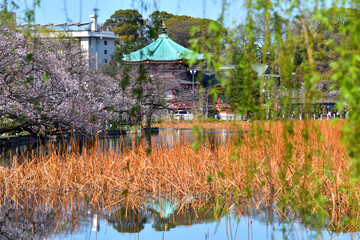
(155, 220)
(50, 216)
(165, 137)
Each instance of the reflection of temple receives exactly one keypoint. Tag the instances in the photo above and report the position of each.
(162, 214)
(166, 214)
(163, 206)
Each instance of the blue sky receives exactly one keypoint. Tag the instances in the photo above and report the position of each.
(60, 11)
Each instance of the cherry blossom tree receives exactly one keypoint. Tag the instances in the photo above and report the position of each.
(46, 86)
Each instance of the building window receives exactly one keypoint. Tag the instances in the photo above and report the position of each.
(105, 42)
(105, 61)
(105, 51)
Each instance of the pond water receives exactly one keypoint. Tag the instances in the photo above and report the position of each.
(228, 227)
(165, 137)
(157, 218)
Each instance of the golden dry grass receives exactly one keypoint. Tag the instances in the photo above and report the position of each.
(267, 165)
(207, 125)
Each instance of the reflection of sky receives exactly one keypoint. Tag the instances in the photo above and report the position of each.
(227, 228)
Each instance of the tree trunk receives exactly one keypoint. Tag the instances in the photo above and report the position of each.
(148, 119)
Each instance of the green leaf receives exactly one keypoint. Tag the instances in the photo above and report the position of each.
(208, 178)
(36, 3)
(29, 57)
(127, 167)
(125, 193)
(221, 174)
(46, 78)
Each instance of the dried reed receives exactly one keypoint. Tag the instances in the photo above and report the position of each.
(271, 164)
(207, 125)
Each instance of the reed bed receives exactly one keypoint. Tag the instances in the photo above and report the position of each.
(243, 125)
(300, 166)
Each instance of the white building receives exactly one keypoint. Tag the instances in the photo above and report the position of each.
(98, 46)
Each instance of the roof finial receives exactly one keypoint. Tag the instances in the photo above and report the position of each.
(162, 29)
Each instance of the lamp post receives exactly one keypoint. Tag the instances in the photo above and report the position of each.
(294, 74)
(193, 72)
(293, 101)
(263, 91)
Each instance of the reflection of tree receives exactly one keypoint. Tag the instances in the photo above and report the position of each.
(31, 219)
(127, 220)
(24, 224)
(269, 212)
(41, 220)
(148, 139)
(38, 218)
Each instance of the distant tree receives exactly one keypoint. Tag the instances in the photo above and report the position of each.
(244, 87)
(155, 20)
(130, 26)
(244, 90)
(122, 18)
(240, 40)
(325, 37)
(183, 28)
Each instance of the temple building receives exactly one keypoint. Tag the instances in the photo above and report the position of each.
(165, 59)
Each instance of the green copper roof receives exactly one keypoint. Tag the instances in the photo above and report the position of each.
(163, 49)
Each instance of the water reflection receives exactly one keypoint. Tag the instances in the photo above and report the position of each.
(71, 217)
(164, 138)
(127, 220)
(22, 223)
(166, 207)
(56, 218)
